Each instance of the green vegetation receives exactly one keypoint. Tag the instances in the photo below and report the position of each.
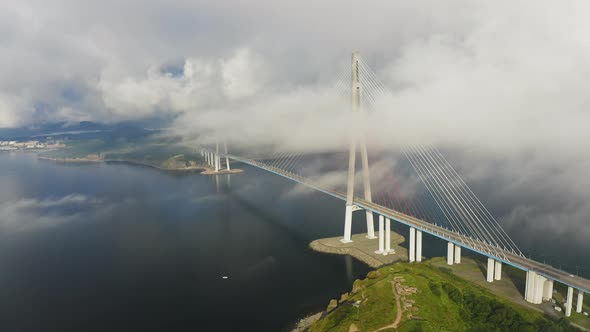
(132, 145)
(576, 317)
(438, 300)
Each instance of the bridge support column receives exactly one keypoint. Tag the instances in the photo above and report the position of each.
(536, 287)
(370, 226)
(490, 271)
(347, 224)
(580, 301)
(527, 289)
(226, 157)
(381, 237)
(217, 159)
(548, 290)
(418, 246)
(457, 254)
(539, 286)
(498, 270)
(450, 253)
(387, 236)
(412, 246)
(568, 302)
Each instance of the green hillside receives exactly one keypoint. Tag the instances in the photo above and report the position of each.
(422, 297)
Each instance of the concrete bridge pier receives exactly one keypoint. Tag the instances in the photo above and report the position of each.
(450, 253)
(226, 157)
(548, 290)
(387, 236)
(370, 225)
(531, 286)
(498, 270)
(347, 224)
(381, 237)
(538, 288)
(418, 246)
(384, 236)
(490, 270)
(494, 271)
(415, 247)
(457, 254)
(412, 246)
(568, 302)
(528, 286)
(580, 301)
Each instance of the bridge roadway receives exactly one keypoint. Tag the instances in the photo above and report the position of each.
(498, 254)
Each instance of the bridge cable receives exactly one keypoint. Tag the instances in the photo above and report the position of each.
(442, 205)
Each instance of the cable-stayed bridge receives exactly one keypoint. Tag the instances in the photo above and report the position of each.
(439, 203)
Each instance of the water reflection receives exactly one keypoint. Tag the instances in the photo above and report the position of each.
(160, 244)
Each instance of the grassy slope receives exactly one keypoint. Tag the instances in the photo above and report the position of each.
(473, 308)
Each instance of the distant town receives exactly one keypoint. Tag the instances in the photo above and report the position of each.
(49, 143)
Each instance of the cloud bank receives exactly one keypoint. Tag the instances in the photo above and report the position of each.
(506, 83)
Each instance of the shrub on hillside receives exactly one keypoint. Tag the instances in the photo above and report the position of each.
(434, 288)
(453, 292)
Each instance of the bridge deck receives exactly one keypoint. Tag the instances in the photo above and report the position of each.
(499, 254)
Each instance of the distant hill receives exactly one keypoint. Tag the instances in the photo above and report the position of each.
(64, 128)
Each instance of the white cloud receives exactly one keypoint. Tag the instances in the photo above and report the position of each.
(243, 75)
(502, 80)
(10, 107)
(28, 214)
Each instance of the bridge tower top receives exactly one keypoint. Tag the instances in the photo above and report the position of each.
(355, 83)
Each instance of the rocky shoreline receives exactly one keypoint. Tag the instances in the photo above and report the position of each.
(306, 322)
(200, 169)
(83, 160)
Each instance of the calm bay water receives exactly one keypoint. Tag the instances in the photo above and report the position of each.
(95, 247)
(115, 247)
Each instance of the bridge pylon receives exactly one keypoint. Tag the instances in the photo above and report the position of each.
(226, 157)
(357, 107)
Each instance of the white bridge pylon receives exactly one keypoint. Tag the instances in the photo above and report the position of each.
(356, 90)
(451, 211)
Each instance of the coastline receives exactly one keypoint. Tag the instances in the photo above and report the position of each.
(197, 169)
(85, 160)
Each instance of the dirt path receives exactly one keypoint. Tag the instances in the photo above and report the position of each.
(398, 316)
